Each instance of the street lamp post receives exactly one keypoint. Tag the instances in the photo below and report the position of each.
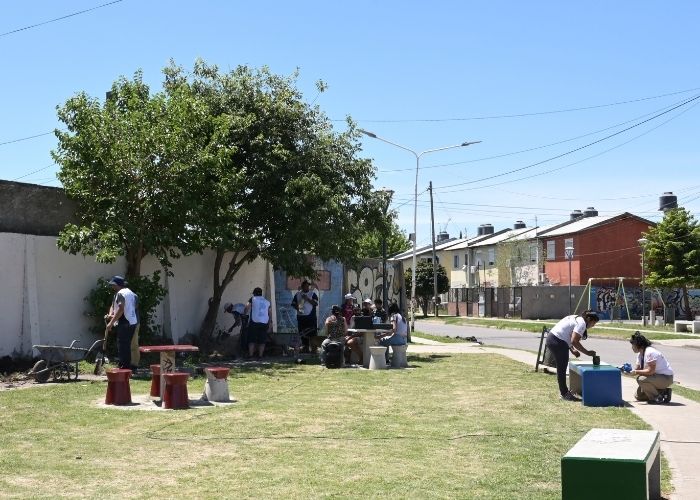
(387, 193)
(569, 252)
(415, 205)
(643, 244)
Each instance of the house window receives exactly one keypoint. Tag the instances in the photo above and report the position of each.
(533, 253)
(456, 263)
(492, 256)
(550, 250)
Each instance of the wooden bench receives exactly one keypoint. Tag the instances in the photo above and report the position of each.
(681, 325)
(613, 464)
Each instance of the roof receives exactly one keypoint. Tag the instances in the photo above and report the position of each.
(581, 224)
(427, 248)
(469, 242)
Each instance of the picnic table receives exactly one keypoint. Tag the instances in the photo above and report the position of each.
(369, 340)
(167, 358)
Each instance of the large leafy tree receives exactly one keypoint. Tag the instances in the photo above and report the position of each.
(371, 241)
(424, 282)
(672, 254)
(274, 179)
(125, 161)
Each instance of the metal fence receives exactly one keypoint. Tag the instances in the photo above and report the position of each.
(503, 302)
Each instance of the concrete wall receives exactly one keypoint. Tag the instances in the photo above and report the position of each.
(42, 292)
(551, 302)
(32, 209)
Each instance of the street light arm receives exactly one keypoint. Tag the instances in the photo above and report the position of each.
(464, 144)
(375, 136)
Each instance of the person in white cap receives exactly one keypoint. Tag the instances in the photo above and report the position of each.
(367, 307)
(348, 307)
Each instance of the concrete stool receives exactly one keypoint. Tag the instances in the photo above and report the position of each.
(377, 361)
(216, 386)
(118, 390)
(398, 356)
(155, 381)
(175, 397)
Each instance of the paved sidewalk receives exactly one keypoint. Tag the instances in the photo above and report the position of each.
(677, 422)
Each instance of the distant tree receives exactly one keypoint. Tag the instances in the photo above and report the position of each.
(424, 283)
(371, 242)
(274, 179)
(512, 261)
(672, 254)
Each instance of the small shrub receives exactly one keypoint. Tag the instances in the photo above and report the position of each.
(150, 294)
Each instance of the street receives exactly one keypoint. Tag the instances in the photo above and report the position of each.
(684, 360)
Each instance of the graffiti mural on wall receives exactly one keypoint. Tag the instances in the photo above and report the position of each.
(604, 298)
(674, 299)
(327, 285)
(366, 281)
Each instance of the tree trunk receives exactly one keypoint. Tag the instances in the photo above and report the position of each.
(234, 265)
(133, 262)
(209, 323)
(686, 304)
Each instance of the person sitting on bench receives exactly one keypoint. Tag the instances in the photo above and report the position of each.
(399, 330)
(336, 331)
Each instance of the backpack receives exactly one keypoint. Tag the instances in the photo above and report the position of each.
(334, 355)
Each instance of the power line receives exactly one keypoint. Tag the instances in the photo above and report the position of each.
(34, 172)
(58, 18)
(535, 148)
(25, 138)
(573, 151)
(521, 115)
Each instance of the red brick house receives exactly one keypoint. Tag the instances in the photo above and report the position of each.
(604, 247)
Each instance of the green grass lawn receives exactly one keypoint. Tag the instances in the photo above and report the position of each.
(458, 426)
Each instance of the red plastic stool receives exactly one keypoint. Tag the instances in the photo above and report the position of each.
(155, 381)
(118, 390)
(175, 397)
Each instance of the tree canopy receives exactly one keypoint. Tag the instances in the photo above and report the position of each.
(672, 253)
(125, 161)
(235, 161)
(370, 242)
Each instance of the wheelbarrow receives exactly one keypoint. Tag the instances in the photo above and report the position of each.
(61, 362)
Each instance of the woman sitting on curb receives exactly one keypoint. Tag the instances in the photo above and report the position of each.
(654, 373)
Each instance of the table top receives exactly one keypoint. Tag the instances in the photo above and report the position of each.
(169, 348)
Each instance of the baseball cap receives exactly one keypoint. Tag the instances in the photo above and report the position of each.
(349, 296)
(367, 301)
(117, 280)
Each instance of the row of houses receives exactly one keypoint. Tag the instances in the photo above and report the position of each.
(604, 247)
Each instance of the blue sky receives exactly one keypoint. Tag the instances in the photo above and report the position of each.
(536, 82)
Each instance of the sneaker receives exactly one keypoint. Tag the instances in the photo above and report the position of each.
(569, 397)
(667, 396)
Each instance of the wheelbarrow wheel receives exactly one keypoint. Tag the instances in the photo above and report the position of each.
(73, 371)
(41, 374)
(59, 373)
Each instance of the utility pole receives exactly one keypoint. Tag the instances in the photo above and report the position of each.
(432, 225)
